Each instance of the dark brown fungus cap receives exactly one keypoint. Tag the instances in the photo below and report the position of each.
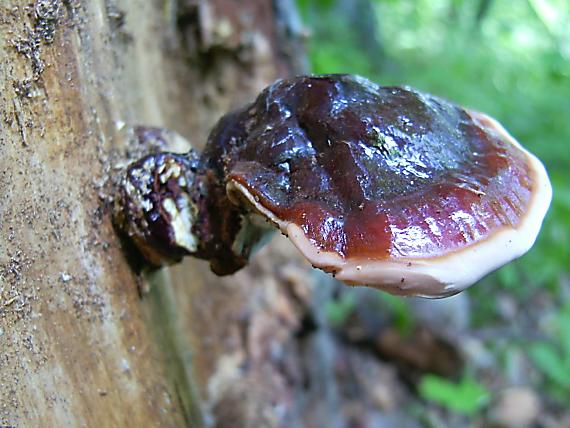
(383, 186)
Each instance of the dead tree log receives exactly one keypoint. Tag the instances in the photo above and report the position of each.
(79, 345)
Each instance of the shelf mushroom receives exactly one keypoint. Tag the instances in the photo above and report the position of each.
(380, 186)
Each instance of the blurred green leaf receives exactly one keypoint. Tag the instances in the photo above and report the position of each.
(509, 276)
(564, 334)
(400, 310)
(338, 310)
(549, 361)
(467, 397)
(553, 358)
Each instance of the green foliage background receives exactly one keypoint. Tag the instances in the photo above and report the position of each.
(508, 59)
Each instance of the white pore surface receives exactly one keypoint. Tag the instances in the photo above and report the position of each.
(433, 277)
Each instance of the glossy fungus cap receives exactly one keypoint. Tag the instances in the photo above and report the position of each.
(385, 186)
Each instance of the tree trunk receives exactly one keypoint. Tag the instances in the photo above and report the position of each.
(80, 344)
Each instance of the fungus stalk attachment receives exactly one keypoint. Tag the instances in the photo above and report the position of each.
(381, 186)
(171, 205)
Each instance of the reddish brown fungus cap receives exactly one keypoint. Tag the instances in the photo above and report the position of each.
(383, 186)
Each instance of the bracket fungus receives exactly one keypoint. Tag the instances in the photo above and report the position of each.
(381, 186)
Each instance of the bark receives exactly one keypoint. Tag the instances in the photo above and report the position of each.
(80, 345)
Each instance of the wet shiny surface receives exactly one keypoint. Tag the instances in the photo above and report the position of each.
(373, 172)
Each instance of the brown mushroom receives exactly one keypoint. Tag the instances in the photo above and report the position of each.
(381, 186)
